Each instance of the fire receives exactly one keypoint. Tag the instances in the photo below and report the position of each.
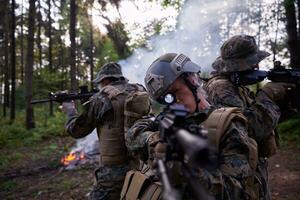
(72, 157)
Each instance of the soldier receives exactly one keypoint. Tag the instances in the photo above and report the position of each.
(111, 111)
(237, 154)
(240, 54)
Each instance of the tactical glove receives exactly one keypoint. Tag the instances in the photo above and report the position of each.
(69, 108)
(157, 148)
(277, 92)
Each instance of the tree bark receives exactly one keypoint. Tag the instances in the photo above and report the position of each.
(39, 44)
(298, 6)
(22, 44)
(6, 56)
(291, 27)
(73, 46)
(50, 48)
(13, 63)
(50, 35)
(61, 49)
(29, 66)
(91, 52)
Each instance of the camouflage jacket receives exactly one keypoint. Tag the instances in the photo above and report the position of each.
(261, 112)
(230, 179)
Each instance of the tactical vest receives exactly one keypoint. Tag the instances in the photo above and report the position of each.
(268, 146)
(217, 123)
(129, 102)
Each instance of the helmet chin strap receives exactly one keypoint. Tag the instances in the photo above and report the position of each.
(193, 89)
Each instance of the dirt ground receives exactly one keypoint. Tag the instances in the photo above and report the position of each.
(59, 183)
(284, 174)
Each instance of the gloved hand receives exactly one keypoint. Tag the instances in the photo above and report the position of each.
(277, 91)
(69, 108)
(157, 148)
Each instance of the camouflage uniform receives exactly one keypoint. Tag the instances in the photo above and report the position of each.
(106, 112)
(240, 53)
(230, 180)
(233, 176)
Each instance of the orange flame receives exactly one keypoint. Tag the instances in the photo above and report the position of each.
(72, 156)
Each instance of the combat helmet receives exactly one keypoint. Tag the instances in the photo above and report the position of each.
(164, 71)
(238, 53)
(108, 70)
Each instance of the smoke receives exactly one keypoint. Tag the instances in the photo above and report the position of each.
(89, 144)
(197, 35)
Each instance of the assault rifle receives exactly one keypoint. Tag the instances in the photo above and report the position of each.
(186, 143)
(62, 96)
(278, 74)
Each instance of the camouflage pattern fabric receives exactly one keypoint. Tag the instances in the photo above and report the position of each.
(98, 112)
(136, 142)
(229, 181)
(238, 53)
(107, 71)
(262, 115)
(261, 112)
(108, 184)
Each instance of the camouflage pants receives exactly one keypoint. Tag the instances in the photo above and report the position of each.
(262, 170)
(109, 182)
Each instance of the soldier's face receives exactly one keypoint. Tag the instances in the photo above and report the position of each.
(104, 82)
(185, 96)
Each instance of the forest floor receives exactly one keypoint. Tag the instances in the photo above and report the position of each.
(38, 174)
(284, 173)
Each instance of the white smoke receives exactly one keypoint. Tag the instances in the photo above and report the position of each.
(197, 35)
(88, 144)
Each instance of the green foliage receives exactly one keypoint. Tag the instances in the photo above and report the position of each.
(45, 81)
(289, 131)
(20, 97)
(175, 3)
(119, 36)
(15, 135)
(8, 185)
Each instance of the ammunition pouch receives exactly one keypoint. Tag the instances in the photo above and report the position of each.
(112, 147)
(139, 184)
(137, 105)
(219, 120)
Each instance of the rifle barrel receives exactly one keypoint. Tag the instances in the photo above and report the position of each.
(169, 193)
(40, 101)
(64, 97)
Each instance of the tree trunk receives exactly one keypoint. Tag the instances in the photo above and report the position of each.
(61, 49)
(298, 6)
(6, 56)
(13, 63)
(29, 66)
(73, 45)
(291, 27)
(274, 46)
(259, 24)
(39, 34)
(91, 52)
(50, 49)
(50, 35)
(22, 44)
